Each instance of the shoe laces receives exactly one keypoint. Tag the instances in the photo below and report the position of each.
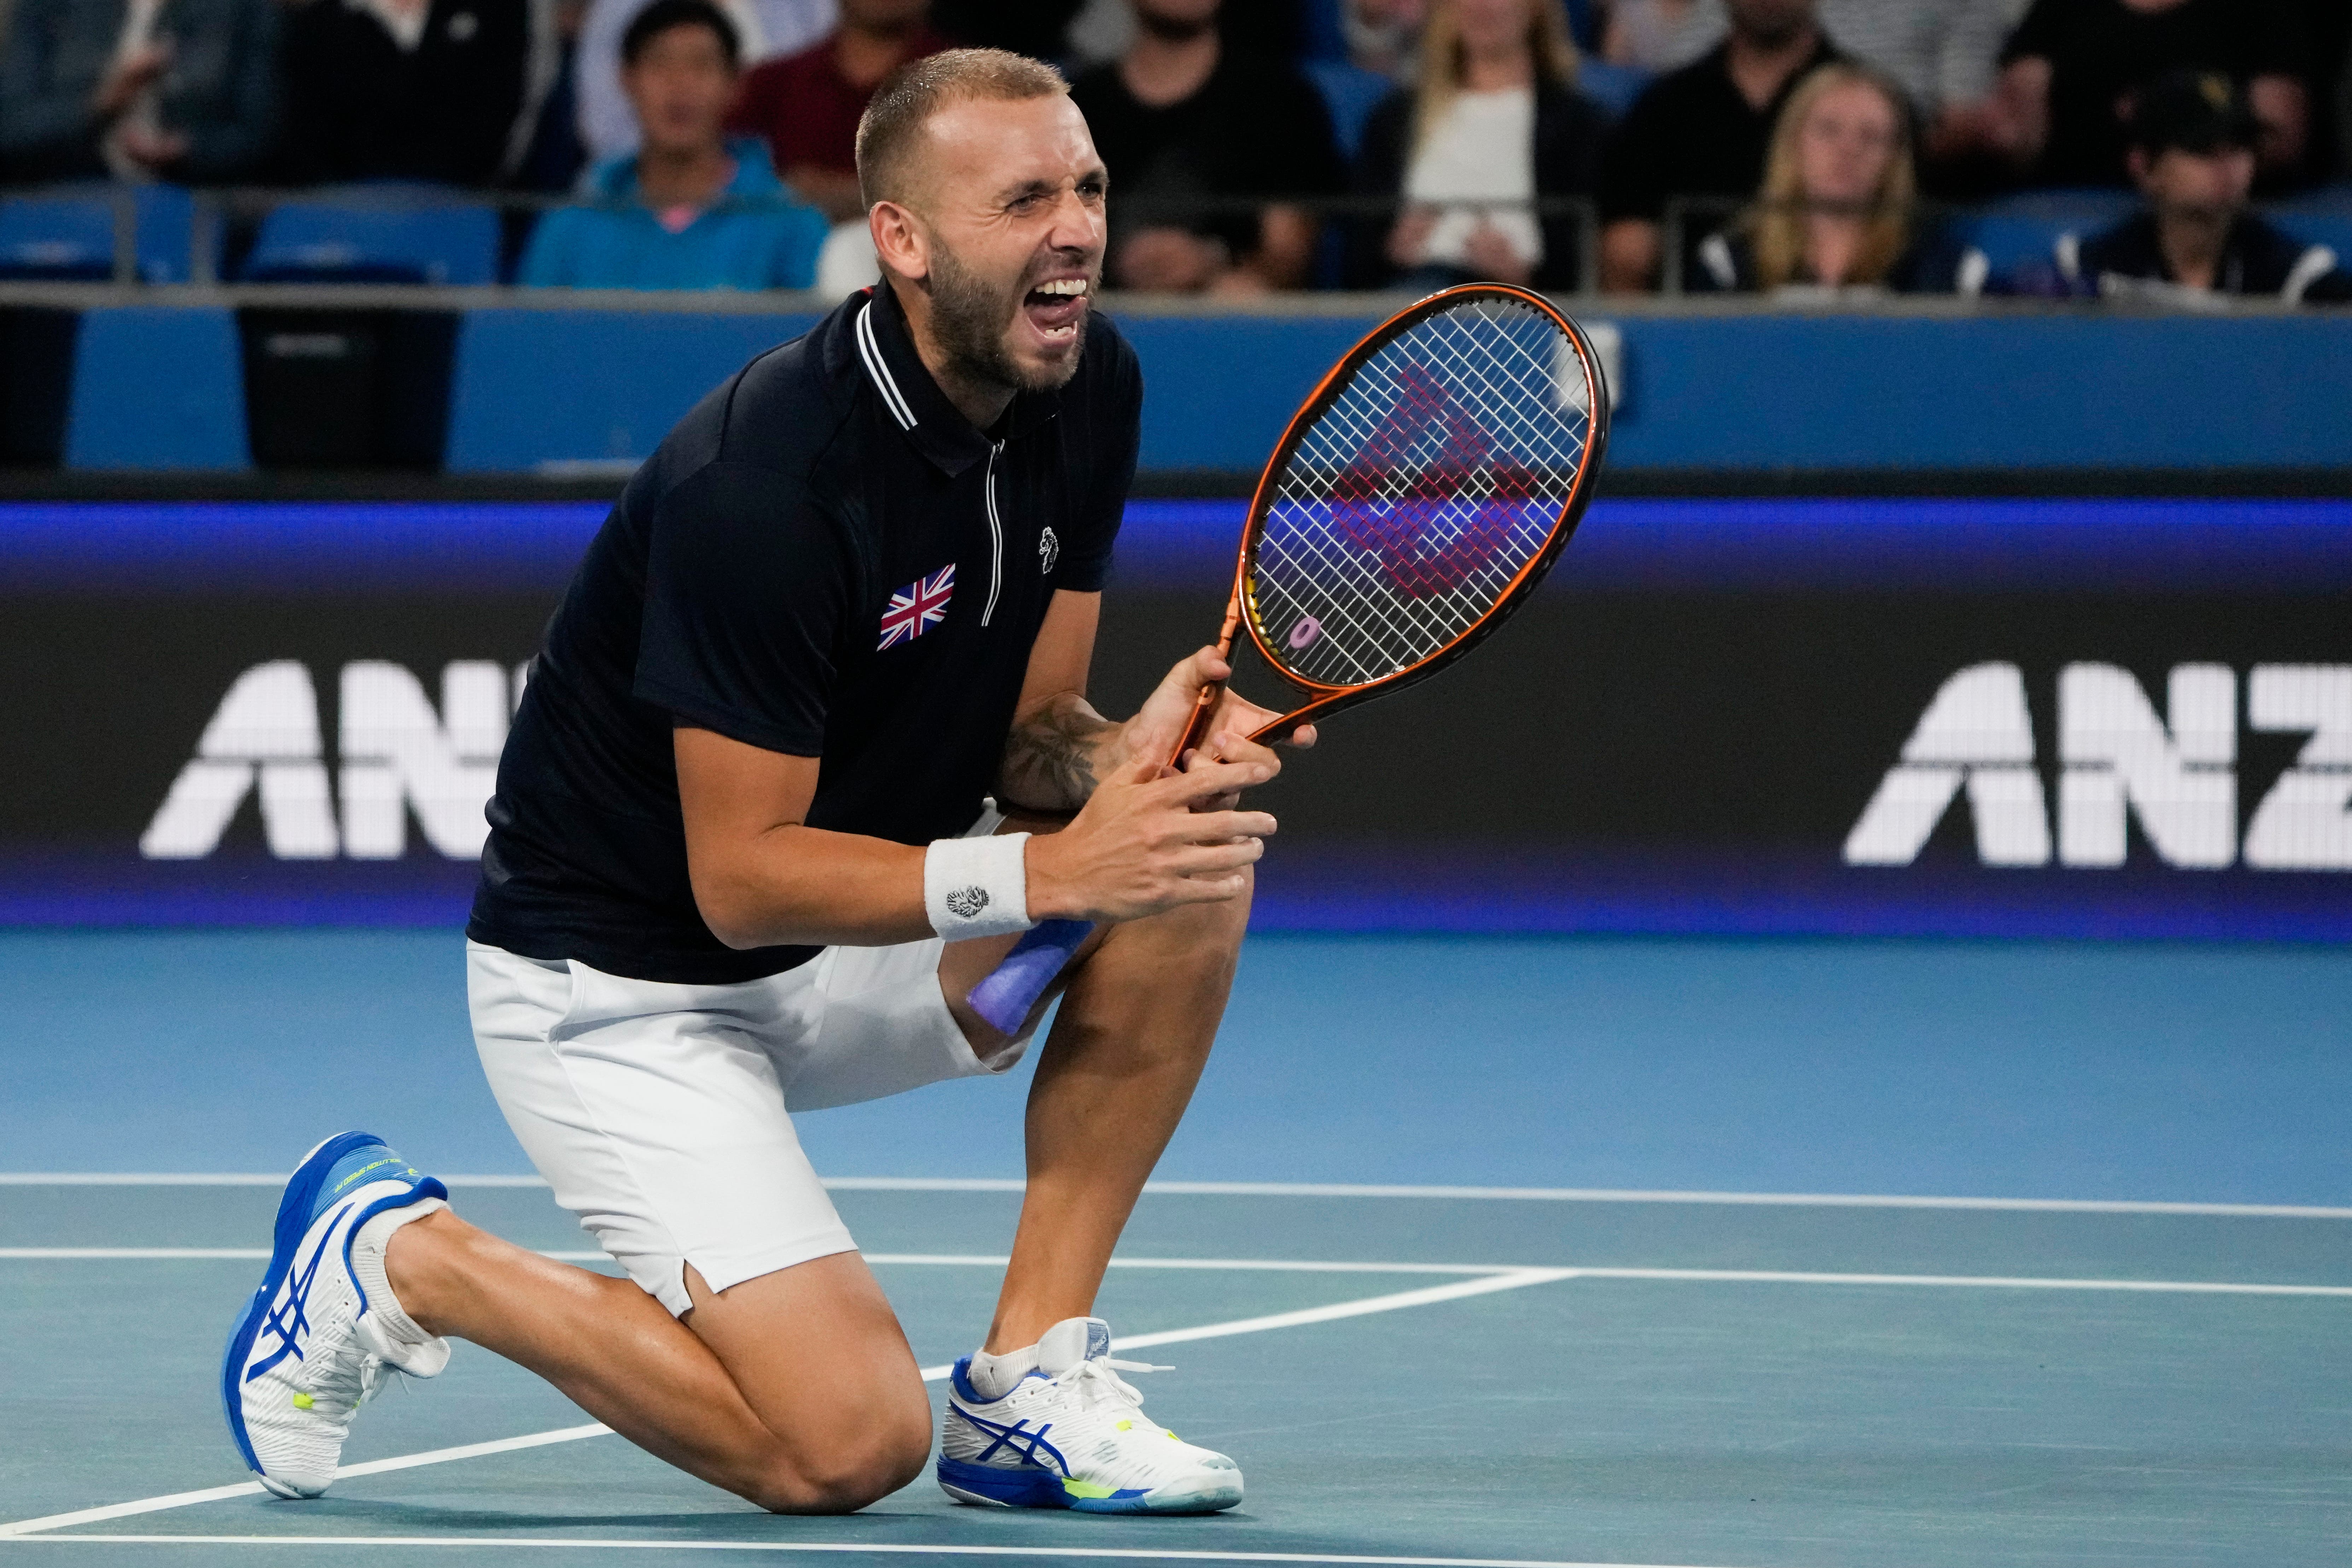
(1097, 1378)
(355, 1376)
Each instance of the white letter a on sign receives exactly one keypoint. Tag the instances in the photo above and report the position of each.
(1977, 732)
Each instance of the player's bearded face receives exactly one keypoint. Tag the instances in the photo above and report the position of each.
(1012, 331)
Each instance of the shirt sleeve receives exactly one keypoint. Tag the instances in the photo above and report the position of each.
(747, 585)
(1117, 432)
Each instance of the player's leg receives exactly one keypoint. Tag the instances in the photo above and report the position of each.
(1137, 1021)
(769, 1364)
(794, 1389)
(750, 1344)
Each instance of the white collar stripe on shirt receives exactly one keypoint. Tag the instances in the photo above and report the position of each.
(871, 352)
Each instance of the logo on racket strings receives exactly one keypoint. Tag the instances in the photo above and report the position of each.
(1398, 488)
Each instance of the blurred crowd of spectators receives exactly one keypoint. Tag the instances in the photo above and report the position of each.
(1260, 144)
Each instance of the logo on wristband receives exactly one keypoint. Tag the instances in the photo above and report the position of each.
(965, 903)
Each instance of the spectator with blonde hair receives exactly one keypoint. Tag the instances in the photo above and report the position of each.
(1839, 207)
(1494, 124)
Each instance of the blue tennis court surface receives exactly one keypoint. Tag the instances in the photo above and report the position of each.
(1610, 1342)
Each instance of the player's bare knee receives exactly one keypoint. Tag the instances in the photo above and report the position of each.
(853, 1471)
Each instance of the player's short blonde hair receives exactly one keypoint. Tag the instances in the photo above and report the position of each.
(890, 129)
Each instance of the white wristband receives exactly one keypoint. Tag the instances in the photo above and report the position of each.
(977, 887)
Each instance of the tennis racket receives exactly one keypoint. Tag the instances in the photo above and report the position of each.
(1420, 494)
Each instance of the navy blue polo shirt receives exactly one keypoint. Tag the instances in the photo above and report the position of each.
(824, 559)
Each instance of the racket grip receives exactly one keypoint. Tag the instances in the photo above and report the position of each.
(1006, 992)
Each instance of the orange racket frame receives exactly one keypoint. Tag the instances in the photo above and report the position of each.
(1324, 697)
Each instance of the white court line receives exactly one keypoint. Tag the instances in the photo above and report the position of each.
(1310, 1190)
(1126, 1553)
(247, 1254)
(1966, 1281)
(1484, 1284)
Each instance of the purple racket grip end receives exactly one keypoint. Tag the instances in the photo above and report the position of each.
(1012, 987)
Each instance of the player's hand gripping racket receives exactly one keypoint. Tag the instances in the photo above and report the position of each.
(1420, 494)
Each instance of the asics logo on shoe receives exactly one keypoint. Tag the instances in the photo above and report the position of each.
(1016, 1438)
(286, 1318)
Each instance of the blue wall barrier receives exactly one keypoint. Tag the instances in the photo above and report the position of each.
(540, 388)
(536, 387)
(157, 387)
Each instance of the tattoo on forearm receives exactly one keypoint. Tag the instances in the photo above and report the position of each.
(1054, 758)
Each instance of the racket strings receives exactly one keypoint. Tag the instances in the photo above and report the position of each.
(1414, 501)
(1451, 489)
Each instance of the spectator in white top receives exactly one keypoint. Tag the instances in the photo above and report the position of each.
(1495, 123)
(767, 28)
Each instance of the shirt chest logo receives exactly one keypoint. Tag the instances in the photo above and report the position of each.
(917, 607)
(1049, 550)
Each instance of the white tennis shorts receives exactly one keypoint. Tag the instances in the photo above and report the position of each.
(660, 1113)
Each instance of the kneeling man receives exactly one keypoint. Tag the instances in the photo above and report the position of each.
(750, 850)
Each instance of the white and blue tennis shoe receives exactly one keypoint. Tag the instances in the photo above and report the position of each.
(316, 1340)
(1072, 1434)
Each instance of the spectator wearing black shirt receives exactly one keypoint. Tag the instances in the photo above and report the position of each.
(2193, 154)
(1838, 209)
(2069, 71)
(1180, 118)
(1701, 131)
(445, 90)
(1494, 123)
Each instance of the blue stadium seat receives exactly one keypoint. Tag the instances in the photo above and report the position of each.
(2324, 220)
(57, 237)
(69, 234)
(2018, 232)
(390, 239)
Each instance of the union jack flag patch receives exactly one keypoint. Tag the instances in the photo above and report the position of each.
(917, 607)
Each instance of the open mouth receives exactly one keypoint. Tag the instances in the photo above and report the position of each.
(1056, 307)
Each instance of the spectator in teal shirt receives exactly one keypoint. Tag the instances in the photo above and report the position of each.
(690, 209)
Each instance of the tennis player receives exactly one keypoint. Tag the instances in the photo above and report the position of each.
(744, 862)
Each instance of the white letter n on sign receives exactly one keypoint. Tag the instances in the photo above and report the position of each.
(1977, 732)
(399, 755)
(2177, 777)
